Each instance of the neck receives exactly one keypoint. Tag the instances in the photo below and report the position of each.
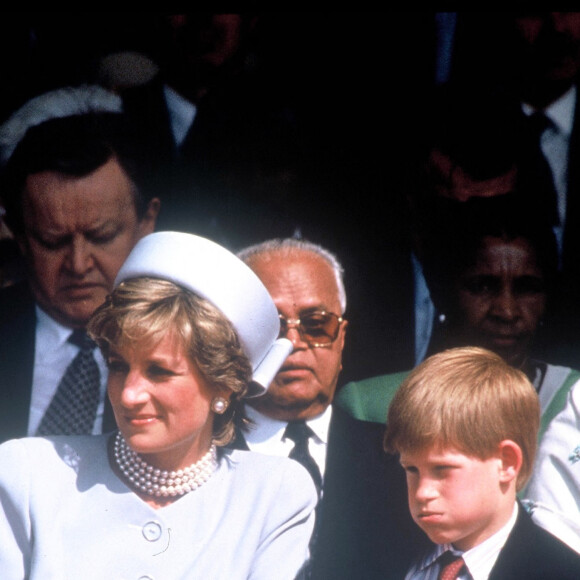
(295, 412)
(501, 519)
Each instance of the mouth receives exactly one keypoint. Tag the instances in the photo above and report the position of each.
(506, 339)
(294, 371)
(81, 289)
(429, 517)
(140, 420)
(504, 335)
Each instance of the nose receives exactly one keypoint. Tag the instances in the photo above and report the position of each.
(424, 489)
(505, 305)
(134, 390)
(294, 336)
(79, 258)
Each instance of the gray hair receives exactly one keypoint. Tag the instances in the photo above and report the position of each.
(292, 246)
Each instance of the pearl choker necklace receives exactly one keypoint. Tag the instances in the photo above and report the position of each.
(161, 483)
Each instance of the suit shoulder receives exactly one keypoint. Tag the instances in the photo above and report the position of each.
(352, 440)
(343, 420)
(556, 552)
(536, 554)
(16, 302)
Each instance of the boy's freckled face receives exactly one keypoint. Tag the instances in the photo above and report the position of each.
(455, 498)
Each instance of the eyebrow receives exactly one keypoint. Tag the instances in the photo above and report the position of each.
(313, 309)
(108, 224)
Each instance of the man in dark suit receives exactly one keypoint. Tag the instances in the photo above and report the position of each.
(221, 132)
(363, 530)
(75, 203)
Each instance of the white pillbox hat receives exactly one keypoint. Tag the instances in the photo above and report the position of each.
(217, 275)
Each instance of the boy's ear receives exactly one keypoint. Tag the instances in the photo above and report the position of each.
(511, 457)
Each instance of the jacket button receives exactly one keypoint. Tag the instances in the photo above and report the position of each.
(152, 531)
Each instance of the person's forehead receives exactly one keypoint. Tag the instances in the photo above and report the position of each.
(494, 252)
(435, 452)
(106, 191)
(301, 279)
(109, 171)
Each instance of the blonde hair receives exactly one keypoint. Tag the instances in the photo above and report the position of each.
(144, 310)
(468, 398)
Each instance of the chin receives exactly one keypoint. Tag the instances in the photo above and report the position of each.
(145, 449)
(293, 388)
(514, 357)
(80, 312)
(440, 537)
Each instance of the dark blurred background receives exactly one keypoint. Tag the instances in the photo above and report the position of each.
(328, 120)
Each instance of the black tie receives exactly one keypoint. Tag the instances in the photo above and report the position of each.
(299, 432)
(542, 179)
(73, 408)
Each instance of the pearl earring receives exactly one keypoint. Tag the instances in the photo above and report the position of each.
(219, 405)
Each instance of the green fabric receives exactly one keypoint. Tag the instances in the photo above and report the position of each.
(369, 399)
(556, 405)
(558, 402)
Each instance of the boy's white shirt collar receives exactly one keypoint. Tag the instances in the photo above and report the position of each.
(481, 558)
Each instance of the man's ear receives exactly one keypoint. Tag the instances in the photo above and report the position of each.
(341, 337)
(149, 219)
(511, 458)
(343, 333)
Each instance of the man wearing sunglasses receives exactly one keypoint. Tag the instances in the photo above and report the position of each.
(363, 529)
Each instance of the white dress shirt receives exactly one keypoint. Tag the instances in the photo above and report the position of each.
(555, 144)
(267, 436)
(479, 560)
(53, 353)
(181, 114)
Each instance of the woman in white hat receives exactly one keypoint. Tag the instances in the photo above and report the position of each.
(187, 332)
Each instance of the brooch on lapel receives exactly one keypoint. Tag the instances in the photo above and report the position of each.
(575, 455)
